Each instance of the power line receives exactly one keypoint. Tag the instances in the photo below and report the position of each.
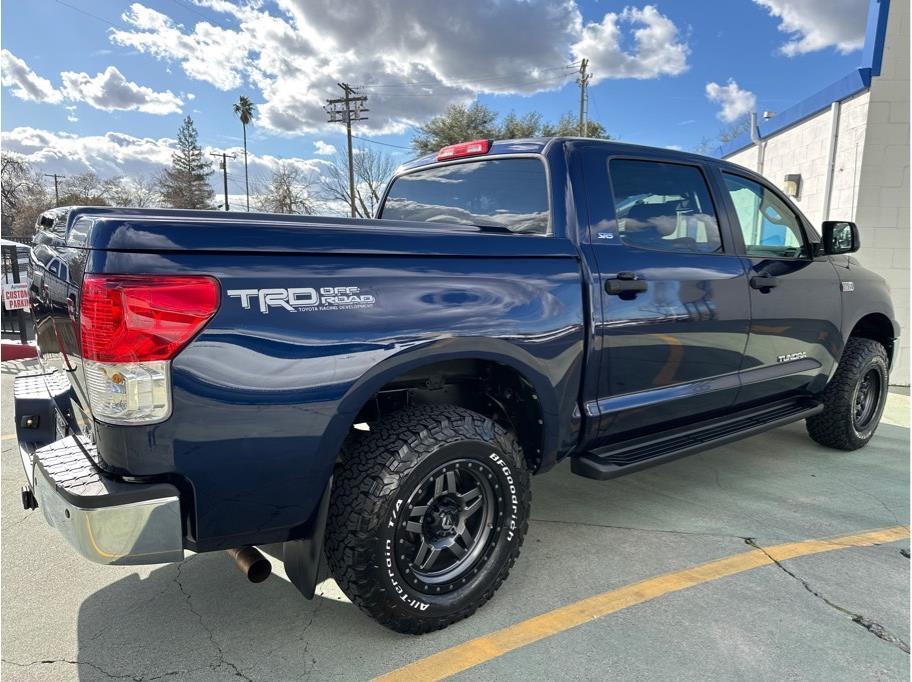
(474, 79)
(87, 13)
(385, 144)
(564, 79)
(384, 95)
(202, 16)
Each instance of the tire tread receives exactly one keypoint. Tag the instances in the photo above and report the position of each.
(372, 472)
(833, 426)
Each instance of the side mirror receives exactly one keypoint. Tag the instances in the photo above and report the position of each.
(840, 236)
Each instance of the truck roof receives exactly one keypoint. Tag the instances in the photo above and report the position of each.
(538, 145)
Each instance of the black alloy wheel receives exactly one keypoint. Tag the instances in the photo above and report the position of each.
(448, 524)
(867, 398)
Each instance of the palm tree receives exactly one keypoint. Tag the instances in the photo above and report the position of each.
(245, 110)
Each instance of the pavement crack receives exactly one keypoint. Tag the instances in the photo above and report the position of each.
(13, 524)
(644, 530)
(222, 660)
(871, 626)
(93, 666)
(876, 499)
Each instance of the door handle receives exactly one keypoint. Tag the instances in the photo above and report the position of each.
(624, 283)
(763, 282)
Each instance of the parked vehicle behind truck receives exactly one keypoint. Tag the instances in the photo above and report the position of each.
(382, 390)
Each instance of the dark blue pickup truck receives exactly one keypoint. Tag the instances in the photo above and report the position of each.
(378, 392)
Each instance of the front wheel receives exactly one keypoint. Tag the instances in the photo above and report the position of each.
(427, 516)
(855, 397)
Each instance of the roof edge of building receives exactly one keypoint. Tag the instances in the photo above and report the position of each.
(851, 84)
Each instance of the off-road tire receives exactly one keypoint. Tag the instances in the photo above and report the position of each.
(371, 493)
(835, 427)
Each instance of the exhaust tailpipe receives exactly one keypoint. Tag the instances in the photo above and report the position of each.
(251, 562)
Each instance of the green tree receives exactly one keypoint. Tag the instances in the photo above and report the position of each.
(514, 127)
(476, 122)
(568, 126)
(459, 123)
(186, 183)
(245, 111)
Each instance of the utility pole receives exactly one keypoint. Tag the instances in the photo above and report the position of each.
(345, 110)
(223, 164)
(583, 82)
(56, 190)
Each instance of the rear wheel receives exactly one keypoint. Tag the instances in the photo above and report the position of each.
(855, 397)
(427, 516)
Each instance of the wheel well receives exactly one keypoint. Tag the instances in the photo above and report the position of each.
(877, 327)
(489, 388)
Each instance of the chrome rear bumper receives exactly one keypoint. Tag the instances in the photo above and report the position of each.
(106, 520)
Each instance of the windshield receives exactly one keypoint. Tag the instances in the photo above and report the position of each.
(506, 194)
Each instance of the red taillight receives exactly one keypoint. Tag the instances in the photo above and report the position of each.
(140, 318)
(455, 151)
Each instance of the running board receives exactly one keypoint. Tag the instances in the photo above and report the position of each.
(633, 455)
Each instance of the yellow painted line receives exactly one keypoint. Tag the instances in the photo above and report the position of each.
(482, 649)
(8, 436)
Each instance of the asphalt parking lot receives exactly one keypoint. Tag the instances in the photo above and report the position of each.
(819, 611)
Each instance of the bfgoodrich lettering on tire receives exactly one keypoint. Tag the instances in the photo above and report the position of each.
(427, 516)
(855, 397)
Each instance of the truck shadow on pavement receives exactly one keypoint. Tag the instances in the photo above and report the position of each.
(202, 620)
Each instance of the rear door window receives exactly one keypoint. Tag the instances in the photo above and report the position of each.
(664, 206)
(510, 195)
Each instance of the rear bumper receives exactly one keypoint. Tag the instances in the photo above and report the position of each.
(106, 520)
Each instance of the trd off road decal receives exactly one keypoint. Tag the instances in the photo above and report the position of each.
(302, 299)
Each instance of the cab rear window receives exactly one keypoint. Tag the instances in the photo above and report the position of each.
(509, 195)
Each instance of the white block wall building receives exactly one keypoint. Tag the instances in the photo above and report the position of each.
(850, 144)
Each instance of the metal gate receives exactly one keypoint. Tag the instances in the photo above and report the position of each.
(12, 269)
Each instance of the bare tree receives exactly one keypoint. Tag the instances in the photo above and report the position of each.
(85, 189)
(287, 190)
(24, 197)
(710, 146)
(373, 168)
(138, 192)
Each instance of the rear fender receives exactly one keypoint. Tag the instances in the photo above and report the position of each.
(495, 350)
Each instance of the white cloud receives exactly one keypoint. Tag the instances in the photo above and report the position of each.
(110, 91)
(411, 60)
(817, 24)
(324, 148)
(734, 101)
(657, 50)
(116, 154)
(27, 84)
(71, 114)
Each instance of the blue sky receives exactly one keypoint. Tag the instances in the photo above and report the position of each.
(779, 51)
